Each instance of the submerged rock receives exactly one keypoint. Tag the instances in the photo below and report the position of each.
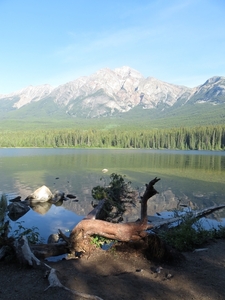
(70, 196)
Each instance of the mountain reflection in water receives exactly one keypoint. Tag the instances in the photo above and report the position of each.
(192, 179)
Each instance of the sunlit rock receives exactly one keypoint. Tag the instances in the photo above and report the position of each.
(43, 194)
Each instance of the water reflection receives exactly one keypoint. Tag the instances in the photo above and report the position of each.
(192, 178)
(41, 207)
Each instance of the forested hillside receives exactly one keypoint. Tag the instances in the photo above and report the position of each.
(195, 138)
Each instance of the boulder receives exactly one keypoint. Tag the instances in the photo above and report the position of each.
(17, 210)
(43, 194)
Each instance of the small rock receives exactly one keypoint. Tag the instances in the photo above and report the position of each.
(71, 196)
(53, 238)
(169, 276)
(158, 270)
(17, 199)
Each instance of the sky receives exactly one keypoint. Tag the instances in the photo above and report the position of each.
(57, 41)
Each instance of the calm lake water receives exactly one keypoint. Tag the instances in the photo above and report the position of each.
(192, 178)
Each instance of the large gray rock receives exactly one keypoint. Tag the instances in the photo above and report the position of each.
(43, 194)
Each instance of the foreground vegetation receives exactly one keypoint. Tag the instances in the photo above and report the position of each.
(190, 234)
(191, 138)
(187, 235)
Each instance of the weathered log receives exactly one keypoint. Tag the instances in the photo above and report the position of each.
(125, 232)
(43, 251)
(122, 232)
(53, 248)
(193, 214)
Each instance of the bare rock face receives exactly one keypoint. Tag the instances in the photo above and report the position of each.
(154, 92)
(108, 92)
(29, 94)
(212, 91)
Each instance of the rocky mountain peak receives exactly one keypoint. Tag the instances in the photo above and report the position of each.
(212, 91)
(125, 72)
(214, 79)
(109, 92)
(29, 94)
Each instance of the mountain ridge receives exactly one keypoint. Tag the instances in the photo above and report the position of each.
(111, 93)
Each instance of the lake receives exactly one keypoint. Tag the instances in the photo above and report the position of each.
(195, 179)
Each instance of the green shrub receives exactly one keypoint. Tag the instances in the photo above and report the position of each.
(99, 241)
(32, 234)
(190, 233)
(116, 193)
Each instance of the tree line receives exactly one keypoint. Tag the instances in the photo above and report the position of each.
(191, 138)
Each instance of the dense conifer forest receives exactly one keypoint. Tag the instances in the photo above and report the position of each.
(191, 138)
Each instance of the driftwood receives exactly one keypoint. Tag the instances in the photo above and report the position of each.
(43, 251)
(193, 214)
(26, 256)
(133, 231)
(78, 241)
(125, 232)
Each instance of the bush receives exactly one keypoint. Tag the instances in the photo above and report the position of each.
(190, 234)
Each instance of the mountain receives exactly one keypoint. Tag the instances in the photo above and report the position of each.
(120, 93)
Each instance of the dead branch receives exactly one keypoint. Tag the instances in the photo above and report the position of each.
(43, 251)
(94, 214)
(149, 192)
(125, 232)
(194, 214)
(25, 256)
(63, 236)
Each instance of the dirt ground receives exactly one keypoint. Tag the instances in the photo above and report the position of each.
(114, 275)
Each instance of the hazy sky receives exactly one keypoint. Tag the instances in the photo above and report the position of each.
(56, 41)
